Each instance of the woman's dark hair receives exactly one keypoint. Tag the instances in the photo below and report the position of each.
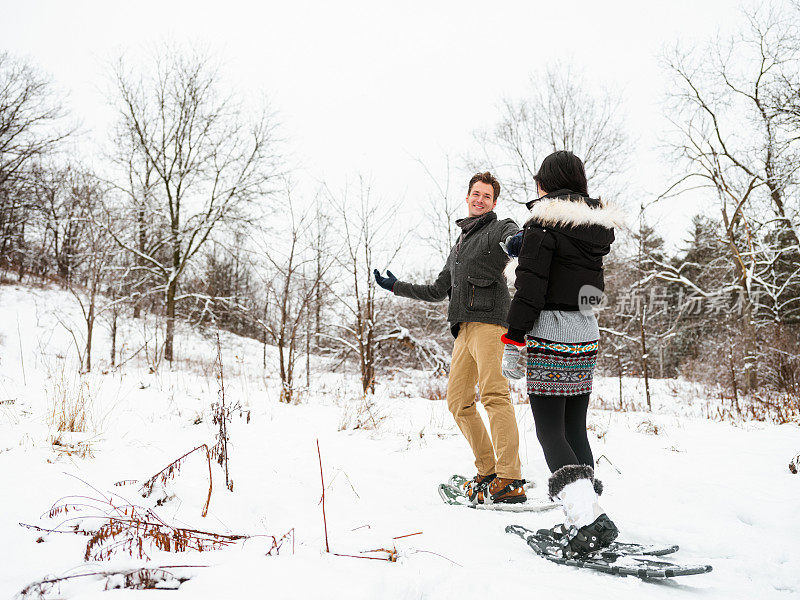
(562, 170)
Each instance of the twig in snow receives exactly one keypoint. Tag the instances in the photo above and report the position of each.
(277, 543)
(609, 462)
(400, 537)
(45, 530)
(139, 579)
(330, 483)
(391, 554)
(437, 554)
(365, 557)
(21, 358)
(125, 482)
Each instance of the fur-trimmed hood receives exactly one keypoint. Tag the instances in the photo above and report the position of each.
(575, 217)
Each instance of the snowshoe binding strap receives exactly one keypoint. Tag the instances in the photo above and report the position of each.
(475, 488)
(589, 538)
(516, 483)
(556, 532)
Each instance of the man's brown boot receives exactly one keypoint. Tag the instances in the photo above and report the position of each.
(475, 488)
(507, 491)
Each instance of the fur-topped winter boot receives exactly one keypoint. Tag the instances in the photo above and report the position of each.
(586, 527)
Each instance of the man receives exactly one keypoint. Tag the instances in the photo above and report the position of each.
(473, 279)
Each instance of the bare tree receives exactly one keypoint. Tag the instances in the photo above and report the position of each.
(418, 334)
(363, 225)
(31, 126)
(321, 248)
(94, 261)
(296, 271)
(209, 164)
(439, 224)
(31, 117)
(559, 113)
(736, 144)
(137, 181)
(60, 197)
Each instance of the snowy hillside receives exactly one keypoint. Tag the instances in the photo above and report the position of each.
(722, 492)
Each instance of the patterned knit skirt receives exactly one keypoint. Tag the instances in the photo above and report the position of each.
(559, 368)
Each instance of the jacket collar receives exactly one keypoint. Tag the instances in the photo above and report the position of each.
(565, 193)
(468, 224)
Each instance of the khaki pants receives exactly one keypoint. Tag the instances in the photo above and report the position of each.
(477, 358)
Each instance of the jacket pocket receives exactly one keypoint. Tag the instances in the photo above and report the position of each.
(481, 294)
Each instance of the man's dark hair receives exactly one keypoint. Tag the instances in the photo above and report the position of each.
(562, 170)
(485, 177)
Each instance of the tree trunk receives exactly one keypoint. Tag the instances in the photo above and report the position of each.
(733, 375)
(21, 258)
(114, 339)
(308, 349)
(63, 270)
(619, 372)
(750, 350)
(141, 242)
(286, 395)
(168, 342)
(748, 330)
(89, 335)
(264, 340)
(644, 360)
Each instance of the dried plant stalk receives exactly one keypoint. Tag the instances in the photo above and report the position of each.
(400, 537)
(130, 535)
(277, 543)
(145, 578)
(324, 518)
(136, 530)
(172, 469)
(222, 415)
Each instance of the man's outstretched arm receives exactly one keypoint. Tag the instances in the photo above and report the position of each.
(435, 292)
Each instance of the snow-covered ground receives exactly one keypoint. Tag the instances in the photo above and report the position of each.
(722, 492)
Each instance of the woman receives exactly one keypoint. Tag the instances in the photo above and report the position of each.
(558, 278)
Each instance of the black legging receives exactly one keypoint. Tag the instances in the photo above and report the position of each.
(561, 429)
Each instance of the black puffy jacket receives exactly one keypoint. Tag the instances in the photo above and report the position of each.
(563, 245)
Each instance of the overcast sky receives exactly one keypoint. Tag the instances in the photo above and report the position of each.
(370, 87)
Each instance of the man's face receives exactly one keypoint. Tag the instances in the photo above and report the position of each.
(480, 199)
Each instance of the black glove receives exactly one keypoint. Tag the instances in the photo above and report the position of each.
(386, 283)
(513, 244)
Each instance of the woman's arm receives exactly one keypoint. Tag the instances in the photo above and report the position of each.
(532, 274)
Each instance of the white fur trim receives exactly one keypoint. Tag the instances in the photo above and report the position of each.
(510, 271)
(560, 211)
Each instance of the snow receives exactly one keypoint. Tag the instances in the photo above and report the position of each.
(721, 491)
